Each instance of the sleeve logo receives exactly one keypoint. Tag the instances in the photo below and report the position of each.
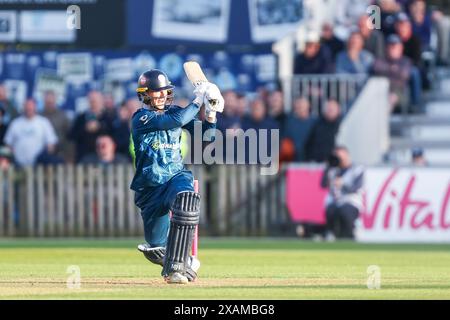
(144, 118)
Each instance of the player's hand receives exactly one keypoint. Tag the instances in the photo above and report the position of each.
(214, 101)
(200, 92)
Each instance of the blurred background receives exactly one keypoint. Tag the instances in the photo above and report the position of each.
(358, 89)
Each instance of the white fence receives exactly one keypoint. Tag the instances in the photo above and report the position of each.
(319, 88)
(96, 201)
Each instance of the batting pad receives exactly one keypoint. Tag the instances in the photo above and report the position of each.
(185, 218)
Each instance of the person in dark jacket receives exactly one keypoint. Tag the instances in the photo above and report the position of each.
(323, 135)
(8, 106)
(88, 126)
(411, 42)
(422, 21)
(122, 130)
(412, 45)
(257, 120)
(299, 126)
(389, 11)
(275, 104)
(105, 153)
(329, 39)
(229, 119)
(397, 68)
(316, 58)
(3, 126)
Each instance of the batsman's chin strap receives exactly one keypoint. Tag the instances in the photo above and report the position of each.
(185, 218)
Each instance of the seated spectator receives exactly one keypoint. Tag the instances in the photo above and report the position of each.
(373, 38)
(105, 153)
(397, 69)
(89, 125)
(257, 120)
(299, 126)
(413, 50)
(411, 43)
(422, 23)
(10, 109)
(110, 109)
(344, 200)
(323, 134)
(316, 59)
(121, 128)
(354, 59)
(329, 40)
(29, 135)
(418, 157)
(389, 11)
(404, 5)
(276, 108)
(132, 105)
(229, 119)
(60, 123)
(241, 106)
(3, 126)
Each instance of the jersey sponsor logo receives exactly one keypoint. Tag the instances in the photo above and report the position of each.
(157, 145)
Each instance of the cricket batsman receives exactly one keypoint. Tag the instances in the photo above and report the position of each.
(161, 182)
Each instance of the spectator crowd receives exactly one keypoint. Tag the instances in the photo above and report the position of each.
(398, 44)
(100, 135)
(350, 44)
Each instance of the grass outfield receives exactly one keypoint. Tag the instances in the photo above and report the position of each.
(231, 269)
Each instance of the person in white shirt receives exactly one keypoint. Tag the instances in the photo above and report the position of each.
(29, 135)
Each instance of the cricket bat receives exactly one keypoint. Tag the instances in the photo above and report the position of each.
(196, 76)
(194, 73)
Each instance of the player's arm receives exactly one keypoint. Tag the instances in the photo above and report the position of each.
(175, 117)
(208, 125)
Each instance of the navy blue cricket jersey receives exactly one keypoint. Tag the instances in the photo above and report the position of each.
(157, 143)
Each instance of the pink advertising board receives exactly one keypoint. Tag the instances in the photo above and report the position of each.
(401, 204)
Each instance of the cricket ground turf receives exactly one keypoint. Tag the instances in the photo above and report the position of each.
(231, 269)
